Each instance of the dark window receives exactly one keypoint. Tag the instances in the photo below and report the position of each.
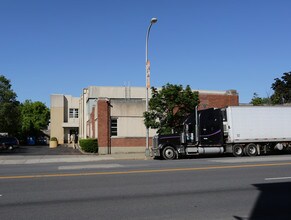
(113, 126)
(74, 113)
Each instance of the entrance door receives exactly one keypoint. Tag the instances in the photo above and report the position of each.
(211, 130)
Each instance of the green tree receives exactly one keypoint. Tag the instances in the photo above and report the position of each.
(34, 117)
(282, 89)
(256, 100)
(169, 106)
(9, 108)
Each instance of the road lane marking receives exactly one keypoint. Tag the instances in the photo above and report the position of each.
(278, 178)
(142, 171)
(263, 159)
(89, 166)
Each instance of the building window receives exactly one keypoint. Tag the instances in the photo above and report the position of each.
(113, 126)
(74, 113)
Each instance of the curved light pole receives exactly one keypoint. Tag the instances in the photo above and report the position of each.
(153, 20)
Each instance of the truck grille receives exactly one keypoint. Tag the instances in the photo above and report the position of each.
(155, 142)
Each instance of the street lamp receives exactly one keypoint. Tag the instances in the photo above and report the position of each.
(153, 20)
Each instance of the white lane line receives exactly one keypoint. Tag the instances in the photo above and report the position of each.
(90, 166)
(278, 178)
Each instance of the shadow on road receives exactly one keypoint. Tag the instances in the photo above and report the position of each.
(273, 202)
(41, 150)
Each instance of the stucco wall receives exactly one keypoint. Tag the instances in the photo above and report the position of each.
(60, 122)
(57, 117)
(129, 114)
(116, 92)
(72, 102)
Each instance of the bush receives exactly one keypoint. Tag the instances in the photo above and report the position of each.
(54, 139)
(89, 145)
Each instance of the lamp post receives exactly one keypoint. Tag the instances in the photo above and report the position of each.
(153, 21)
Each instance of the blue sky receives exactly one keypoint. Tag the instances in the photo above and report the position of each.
(61, 46)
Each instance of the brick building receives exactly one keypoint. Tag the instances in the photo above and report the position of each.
(114, 115)
(218, 99)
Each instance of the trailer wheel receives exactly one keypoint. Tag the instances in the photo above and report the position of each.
(169, 153)
(251, 150)
(237, 150)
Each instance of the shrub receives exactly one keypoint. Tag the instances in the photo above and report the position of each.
(89, 145)
(54, 139)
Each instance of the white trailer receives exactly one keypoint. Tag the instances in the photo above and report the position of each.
(240, 130)
(253, 129)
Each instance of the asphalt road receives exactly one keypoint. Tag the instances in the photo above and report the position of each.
(41, 150)
(205, 188)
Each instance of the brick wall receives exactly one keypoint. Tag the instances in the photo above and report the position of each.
(217, 100)
(129, 142)
(92, 123)
(103, 125)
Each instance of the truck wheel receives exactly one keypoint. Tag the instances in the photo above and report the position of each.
(169, 153)
(237, 150)
(251, 150)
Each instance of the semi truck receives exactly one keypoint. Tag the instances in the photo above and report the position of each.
(237, 130)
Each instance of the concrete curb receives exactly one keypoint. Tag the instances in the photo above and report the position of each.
(39, 159)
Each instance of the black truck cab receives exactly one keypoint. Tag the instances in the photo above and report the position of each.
(202, 133)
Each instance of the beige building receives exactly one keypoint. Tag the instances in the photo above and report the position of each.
(64, 117)
(114, 115)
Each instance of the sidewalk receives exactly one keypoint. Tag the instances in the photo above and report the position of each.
(36, 159)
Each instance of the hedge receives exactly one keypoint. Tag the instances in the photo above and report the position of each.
(89, 145)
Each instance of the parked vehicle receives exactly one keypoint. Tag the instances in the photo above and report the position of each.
(240, 130)
(9, 143)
